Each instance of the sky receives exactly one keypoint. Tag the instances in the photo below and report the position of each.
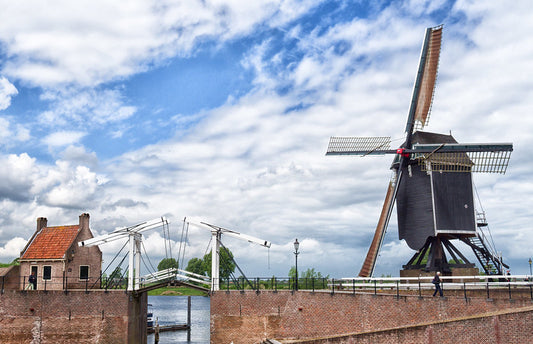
(221, 110)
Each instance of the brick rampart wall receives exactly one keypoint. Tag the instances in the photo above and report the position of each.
(250, 317)
(496, 327)
(73, 317)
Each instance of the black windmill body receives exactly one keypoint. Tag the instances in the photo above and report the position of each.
(432, 184)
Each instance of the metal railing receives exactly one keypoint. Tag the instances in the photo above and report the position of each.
(507, 285)
(64, 283)
(460, 285)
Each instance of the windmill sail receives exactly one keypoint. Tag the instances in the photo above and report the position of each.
(425, 80)
(483, 158)
(359, 145)
(418, 114)
(371, 255)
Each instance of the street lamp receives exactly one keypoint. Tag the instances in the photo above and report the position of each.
(296, 246)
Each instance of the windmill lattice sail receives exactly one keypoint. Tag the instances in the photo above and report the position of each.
(339, 145)
(456, 161)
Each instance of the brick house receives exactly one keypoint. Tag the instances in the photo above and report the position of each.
(53, 255)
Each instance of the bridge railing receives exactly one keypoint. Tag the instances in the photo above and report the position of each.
(274, 283)
(174, 274)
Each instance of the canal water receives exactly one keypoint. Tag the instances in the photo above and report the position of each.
(173, 310)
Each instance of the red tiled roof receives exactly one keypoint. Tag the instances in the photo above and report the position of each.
(51, 242)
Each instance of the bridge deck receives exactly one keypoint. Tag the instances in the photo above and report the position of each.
(169, 282)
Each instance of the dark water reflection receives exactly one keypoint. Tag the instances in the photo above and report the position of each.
(173, 309)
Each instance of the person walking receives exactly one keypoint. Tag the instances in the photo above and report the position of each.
(436, 282)
(33, 281)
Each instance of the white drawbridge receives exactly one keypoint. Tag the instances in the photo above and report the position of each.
(135, 239)
(216, 233)
(175, 274)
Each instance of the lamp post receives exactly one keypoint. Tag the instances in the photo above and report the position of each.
(296, 246)
(530, 261)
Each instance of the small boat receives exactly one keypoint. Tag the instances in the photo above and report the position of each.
(152, 326)
(149, 317)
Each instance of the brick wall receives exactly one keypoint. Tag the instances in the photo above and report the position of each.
(88, 256)
(79, 256)
(250, 317)
(507, 327)
(9, 278)
(73, 317)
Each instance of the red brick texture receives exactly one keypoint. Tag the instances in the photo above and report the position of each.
(73, 317)
(364, 318)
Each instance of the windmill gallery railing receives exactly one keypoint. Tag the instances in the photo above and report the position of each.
(460, 286)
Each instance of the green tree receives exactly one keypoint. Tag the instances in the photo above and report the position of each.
(167, 263)
(227, 266)
(292, 272)
(311, 273)
(196, 265)
(117, 273)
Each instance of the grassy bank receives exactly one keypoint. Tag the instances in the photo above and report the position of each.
(177, 291)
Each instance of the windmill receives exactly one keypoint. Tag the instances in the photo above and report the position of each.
(432, 182)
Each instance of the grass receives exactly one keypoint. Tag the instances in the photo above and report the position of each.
(5, 265)
(177, 291)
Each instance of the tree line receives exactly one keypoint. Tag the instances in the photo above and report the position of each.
(227, 266)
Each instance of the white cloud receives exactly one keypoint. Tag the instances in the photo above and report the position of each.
(17, 175)
(63, 138)
(12, 133)
(12, 248)
(85, 107)
(79, 155)
(92, 42)
(71, 186)
(7, 91)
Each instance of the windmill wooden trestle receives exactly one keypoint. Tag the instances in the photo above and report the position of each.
(432, 183)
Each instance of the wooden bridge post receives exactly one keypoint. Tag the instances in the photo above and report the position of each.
(189, 318)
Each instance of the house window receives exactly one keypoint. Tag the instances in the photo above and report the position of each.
(47, 272)
(84, 272)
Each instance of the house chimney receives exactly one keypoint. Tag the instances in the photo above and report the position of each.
(84, 220)
(85, 232)
(41, 223)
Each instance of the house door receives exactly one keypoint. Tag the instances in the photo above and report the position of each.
(34, 270)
